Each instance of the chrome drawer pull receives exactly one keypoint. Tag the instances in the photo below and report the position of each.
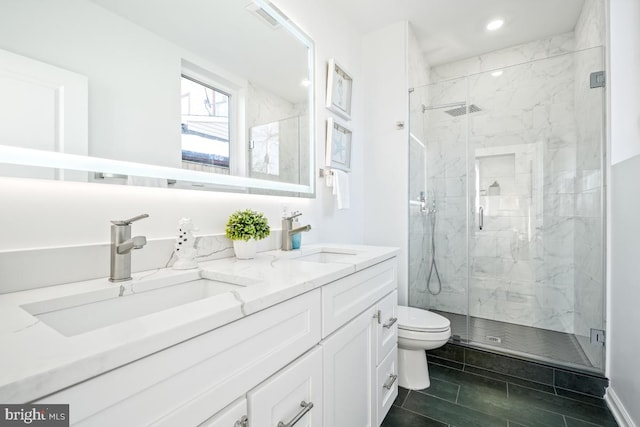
(242, 422)
(392, 379)
(306, 407)
(390, 322)
(378, 316)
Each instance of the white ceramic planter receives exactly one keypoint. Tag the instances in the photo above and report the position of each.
(245, 249)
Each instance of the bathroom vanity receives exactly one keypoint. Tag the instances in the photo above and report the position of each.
(304, 335)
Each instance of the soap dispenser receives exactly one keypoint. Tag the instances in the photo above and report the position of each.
(296, 239)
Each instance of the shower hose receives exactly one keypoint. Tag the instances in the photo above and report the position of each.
(434, 267)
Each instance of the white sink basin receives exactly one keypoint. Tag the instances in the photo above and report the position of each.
(329, 257)
(77, 314)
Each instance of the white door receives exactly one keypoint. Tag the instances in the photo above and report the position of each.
(291, 396)
(42, 107)
(349, 373)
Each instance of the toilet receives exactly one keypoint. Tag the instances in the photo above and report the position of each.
(418, 330)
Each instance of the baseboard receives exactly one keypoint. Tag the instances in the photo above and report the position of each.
(617, 409)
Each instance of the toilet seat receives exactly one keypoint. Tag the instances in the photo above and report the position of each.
(418, 320)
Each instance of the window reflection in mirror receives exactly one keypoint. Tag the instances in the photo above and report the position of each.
(205, 127)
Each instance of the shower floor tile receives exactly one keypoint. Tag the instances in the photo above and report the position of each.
(549, 345)
(460, 398)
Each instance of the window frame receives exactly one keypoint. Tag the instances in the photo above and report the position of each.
(210, 79)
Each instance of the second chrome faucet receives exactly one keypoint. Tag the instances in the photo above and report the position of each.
(288, 231)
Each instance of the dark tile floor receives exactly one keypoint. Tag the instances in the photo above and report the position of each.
(465, 399)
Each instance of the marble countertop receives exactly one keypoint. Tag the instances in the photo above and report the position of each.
(37, 359)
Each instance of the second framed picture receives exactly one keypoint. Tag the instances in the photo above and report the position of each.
(339, 89)
(338, 147)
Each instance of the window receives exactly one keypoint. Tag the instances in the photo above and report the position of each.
(205, 124)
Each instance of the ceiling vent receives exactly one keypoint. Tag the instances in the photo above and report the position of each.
(264, 16)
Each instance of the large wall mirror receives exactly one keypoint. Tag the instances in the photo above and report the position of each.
(214, 94)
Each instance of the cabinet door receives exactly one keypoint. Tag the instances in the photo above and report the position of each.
(387, 384)
(234, 415)
(387, 326)
(294, 393)
(348, 373)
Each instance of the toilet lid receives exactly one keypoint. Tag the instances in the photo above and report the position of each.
(416, 319)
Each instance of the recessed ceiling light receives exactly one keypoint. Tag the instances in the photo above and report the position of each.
(497, 73)
(495, 24)
(306, 82)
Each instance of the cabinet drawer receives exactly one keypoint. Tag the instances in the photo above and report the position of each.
(187, 383)
(231, 416)
(387, 326)
(344, 299)
(387, 384)
(281, 397)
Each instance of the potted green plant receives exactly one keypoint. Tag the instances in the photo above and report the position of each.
(245, 228)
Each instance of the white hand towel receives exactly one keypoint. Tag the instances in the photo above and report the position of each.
(341, 188)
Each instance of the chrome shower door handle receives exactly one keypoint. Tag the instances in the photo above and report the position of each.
(481, 217)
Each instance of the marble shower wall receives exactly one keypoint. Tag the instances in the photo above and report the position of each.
(524, 141)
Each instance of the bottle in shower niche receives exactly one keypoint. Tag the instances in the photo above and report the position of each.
(494, 189)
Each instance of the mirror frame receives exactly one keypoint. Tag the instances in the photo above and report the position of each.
(63, 161)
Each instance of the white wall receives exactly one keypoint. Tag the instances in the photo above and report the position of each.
(39, 214)
(386, 154)
(625, 90)
(624, 229)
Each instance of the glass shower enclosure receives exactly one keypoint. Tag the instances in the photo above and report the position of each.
(506, 208)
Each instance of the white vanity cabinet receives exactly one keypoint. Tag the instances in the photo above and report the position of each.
(360, 355)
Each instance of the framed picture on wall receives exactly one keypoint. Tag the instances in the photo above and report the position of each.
(338, 146)
(339, 88)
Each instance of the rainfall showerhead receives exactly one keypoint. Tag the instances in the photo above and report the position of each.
(461, 111)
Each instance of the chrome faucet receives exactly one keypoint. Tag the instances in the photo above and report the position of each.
(121, 245)
(288, 231)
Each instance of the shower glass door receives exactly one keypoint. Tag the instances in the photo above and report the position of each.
(506, 216)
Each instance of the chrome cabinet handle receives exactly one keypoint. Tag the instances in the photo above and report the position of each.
(481, 217)
(378, 316)
(389, 383)
(242, 422)
(390, 323)
(306, 407)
